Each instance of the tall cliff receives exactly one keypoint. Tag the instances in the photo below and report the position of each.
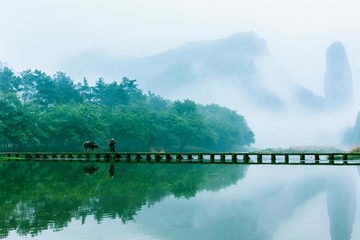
(338, 80)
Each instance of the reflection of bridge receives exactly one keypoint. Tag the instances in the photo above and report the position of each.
(340, 158)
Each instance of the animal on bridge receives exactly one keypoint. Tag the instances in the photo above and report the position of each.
(90, 145)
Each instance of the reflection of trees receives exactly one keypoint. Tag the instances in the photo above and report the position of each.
(39, 196)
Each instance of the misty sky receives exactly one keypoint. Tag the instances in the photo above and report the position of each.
(40, 33)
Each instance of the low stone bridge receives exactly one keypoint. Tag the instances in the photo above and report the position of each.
(331, 158)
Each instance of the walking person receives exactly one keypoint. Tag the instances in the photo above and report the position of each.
(112, 143)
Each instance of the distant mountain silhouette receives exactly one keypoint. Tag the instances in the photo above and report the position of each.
(195, 69)
(237, 72)
(338, 79)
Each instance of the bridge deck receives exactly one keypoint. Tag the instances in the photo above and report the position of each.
(340, 158)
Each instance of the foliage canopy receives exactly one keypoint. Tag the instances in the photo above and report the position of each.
(40, 112)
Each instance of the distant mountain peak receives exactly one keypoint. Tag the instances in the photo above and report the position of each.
(338, 78)
(234, 55)
(246, 42)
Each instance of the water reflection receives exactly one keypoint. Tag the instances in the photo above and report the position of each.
(112, 170)
(260, 205)
(38, 196)
(164, 201)
(90, 169)
(341, 204)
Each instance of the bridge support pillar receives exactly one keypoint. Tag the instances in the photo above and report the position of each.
(222, 158)
(233, 158)
(273, 158)
(148, 157)
(317, 159)
(286, 158)
(212, 158)
(246, 158)
(302, 158)
(345, 158)
(331, 158)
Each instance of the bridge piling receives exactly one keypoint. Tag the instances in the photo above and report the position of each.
(286, 156)
(212, 158)
(233, 158)
(273, 158)
(331, 159)
(317, 159)
(246, 158)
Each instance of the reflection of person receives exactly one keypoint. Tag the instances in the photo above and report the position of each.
(112, 143)
(112, 170)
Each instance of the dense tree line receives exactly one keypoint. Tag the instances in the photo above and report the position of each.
(40, 112)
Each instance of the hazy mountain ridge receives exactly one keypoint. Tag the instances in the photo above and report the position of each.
(241, 46)
(230, 62)
(237, 72)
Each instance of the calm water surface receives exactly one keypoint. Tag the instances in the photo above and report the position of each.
(169, 201)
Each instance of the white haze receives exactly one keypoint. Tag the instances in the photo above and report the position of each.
(39, 34)
(293, 127)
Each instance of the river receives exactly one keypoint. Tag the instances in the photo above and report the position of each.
(46, 200)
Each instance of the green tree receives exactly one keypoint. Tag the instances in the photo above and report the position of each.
(229, 129)
(66, 89)
(45, 89)
(99, 91)
(114, 95)
(27, 87)
(134, 94)
(72, 124)
(189, 127)
(85, 90)
(183, 108)
(156, 102)
(162, 135)
(55, 112)
(8, 81)
(18, 124)
(130, 123)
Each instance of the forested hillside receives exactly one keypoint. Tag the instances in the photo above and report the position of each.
(44, 113)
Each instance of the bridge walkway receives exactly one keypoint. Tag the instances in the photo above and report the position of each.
(331, 158)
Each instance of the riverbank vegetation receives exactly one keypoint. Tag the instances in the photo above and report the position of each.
(355, 149)
(302, 149)
(44, 113)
